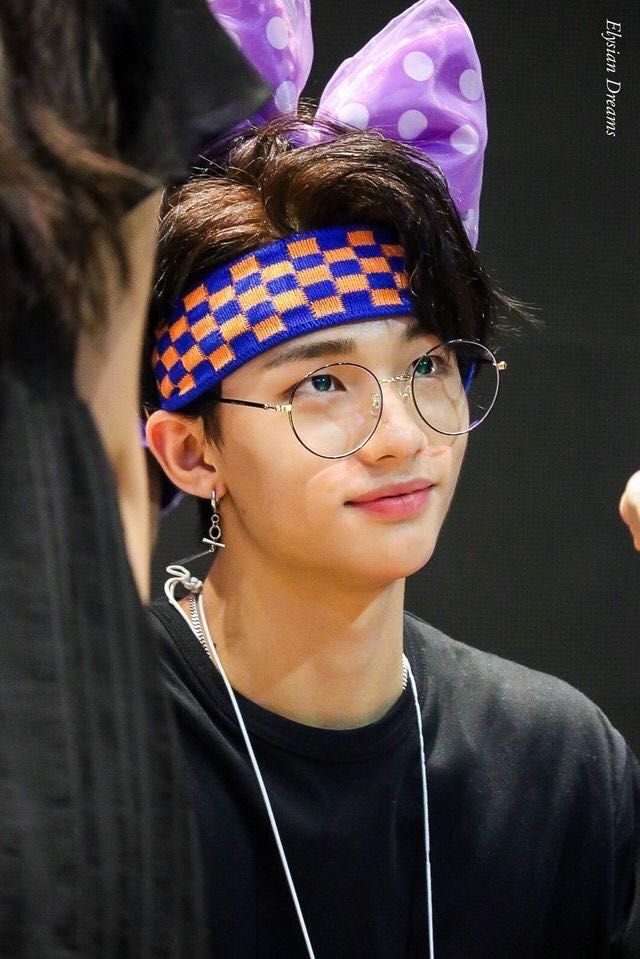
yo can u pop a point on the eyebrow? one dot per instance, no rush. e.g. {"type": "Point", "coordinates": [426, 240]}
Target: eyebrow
{"type": "Point", "coordinates": [311, 351]}
{"type": "Point", "coordinates": [323, 348]}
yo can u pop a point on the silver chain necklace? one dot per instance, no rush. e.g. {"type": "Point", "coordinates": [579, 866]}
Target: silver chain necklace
{"type": "Point", "coordinates": [198, 623]}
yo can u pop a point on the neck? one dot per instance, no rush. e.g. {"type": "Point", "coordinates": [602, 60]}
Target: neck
{"type": "Point", "coordinates": [107, 374]}
{"type": "Point", "coordinates": [301, 647]}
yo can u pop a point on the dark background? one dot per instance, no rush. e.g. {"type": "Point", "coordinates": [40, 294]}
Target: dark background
{"type": "Point", "coordinates": [534, 562]}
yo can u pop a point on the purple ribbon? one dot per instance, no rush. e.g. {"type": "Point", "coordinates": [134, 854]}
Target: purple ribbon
{"type": "Point", "coordinates": [418, 81]}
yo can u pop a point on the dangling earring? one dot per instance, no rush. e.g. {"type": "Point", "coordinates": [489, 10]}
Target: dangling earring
{"type": "Point", "coordinates": [213, 540]}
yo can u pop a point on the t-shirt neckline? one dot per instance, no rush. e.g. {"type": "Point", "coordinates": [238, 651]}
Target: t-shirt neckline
{"type": "Point", "coordinates": [333, 745]}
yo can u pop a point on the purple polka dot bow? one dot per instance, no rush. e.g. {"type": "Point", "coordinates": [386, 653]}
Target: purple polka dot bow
{"type": "Point", "coordinates": [418, 80]}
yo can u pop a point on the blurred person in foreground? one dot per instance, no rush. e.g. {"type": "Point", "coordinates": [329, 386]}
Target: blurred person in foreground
{"type": "Point", "coordinates": [365, 786]}
{"type": "Point", "coordinates": [98, 110]}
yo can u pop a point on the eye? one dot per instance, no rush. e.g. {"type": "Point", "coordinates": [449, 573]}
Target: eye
{"type": "Point", "coordinates": [426, 366]}
{"type": "Point", "coordinates": [322, 383]}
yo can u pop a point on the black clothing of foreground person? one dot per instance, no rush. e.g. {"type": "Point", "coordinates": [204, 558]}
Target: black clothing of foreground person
{"type": "Point", "coordinates": [98, 857]}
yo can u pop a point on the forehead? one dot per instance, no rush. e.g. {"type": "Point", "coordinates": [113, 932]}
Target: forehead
{"type": "Point", "coordinates": [345, 339]}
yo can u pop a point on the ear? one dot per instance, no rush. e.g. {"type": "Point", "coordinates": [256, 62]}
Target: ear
{"type": "Point", "coordinates": [184, 453]}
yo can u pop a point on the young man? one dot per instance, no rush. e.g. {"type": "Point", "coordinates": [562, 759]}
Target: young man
{"type": "Point", "coordinates": [319, 363]}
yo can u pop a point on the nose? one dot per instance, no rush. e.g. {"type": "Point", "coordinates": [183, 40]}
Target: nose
{"type": "Point", "coordinates": [400, 433]}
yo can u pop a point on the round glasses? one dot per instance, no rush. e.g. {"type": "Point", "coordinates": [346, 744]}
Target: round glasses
{"type": "Point", "coordinates": [336, 409]}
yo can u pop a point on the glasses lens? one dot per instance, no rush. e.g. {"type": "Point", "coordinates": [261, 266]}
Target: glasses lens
{"type": "Point", "coordinates": [455, 385]}
{"type": "Point", "coordinates": [335, 409]}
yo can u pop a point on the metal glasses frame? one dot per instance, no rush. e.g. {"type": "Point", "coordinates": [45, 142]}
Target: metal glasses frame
{"type": "Point", "coordinates": [406, 377]}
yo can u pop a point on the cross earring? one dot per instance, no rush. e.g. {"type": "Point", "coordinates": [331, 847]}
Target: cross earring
{"type": "Point", "coordinates": [214, 539]}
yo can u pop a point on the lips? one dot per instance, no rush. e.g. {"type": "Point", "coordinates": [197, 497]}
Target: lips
{"type": "Point", "coordinates": [392, 491]}
{"type": "Point", "coordinates": [394, 502]}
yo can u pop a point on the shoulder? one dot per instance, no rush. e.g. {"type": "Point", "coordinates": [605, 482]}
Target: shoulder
{"type": "Point", "coordinates": [167, 627]}
{"type": "Point", "coordinates": [186, 668]}
{"type": "Point", "coordinates": [483, 696]}
{"type": "Point", "coordinates": [481, 677]}
{"type": "Point", "coordinates": [163, 618]}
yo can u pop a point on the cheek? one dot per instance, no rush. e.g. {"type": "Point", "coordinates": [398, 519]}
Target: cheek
{"type": "Point", "coordinates": [275, 484]}
{"type": "Point", "coordinates": [255, 474]}
{"type": "Point", "coordinates": [451, 473]}
{"type": "Point", "coordinates": [456, 457]}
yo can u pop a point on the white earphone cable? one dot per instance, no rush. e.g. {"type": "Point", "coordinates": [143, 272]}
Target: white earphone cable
{"type": "Point", "coordinates": [213, 652]}
{"type": "Point", "coordinates": [425, 808]}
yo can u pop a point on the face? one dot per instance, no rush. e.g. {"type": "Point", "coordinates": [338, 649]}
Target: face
{"type": "Point", "coordinates": [371, 517]}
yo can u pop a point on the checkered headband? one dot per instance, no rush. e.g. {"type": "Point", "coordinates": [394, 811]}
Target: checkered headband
{"type": "Point", "coordinates": [294, 286]}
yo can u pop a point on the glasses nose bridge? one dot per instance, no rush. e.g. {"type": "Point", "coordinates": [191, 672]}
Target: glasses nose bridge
{"type": "Point", "coordinates": [402, 382]}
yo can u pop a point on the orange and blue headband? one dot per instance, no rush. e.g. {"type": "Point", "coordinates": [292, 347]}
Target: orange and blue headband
{"type": "Point", "coordinates": [293, 286]}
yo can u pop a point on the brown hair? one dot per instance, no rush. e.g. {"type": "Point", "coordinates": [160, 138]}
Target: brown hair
{"type": "Point", "coordinates": [263, 187]}
{"type": "Point", "coordinates": [63, 188]}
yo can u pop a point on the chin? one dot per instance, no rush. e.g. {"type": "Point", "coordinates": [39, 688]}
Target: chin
{"type": "Point", "coordinates": [389, 564]}
{"type": "Point", "coordinates": [402, 570]}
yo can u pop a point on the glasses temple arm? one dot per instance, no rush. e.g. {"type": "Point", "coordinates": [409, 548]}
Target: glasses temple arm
{"type": "Point", "coordinates": [284, 408]}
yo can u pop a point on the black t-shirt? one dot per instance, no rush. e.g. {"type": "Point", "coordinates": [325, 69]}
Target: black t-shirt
{"type": "Point", "coordinates": [533, 805]}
